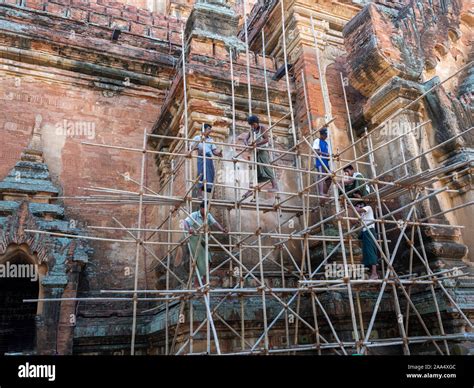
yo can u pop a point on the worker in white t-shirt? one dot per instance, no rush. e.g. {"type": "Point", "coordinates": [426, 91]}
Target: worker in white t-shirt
{"type": "Point", "coordinates": [206, 149]}
{"type": "Point", "coordinates": [197, 243]}
{"type": "Point", "coordinates": [368, 235]}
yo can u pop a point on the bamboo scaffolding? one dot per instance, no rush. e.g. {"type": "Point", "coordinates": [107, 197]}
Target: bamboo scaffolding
{"type": "Point", "coordinates": [335, 192]}
{"type": "Point", "coordinates": [258, 255]}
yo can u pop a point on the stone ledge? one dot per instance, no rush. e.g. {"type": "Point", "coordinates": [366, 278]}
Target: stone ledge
{"type": "Point", "coordinates": [133, 23]}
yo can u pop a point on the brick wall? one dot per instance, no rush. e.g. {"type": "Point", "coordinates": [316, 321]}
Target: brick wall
{"type": "Point", "coordinates": [111, 14]}
{"type": "Point", "coordinates": [71, 112]}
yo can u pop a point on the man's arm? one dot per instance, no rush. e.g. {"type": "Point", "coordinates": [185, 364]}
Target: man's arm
{"type": "Point", "coordinates": [213, 222]}
{"type": "Point", "coordinates": [246, 141]}
{"type": "Point", "coordinates": [348, 180]}
{"type": "Point", "coordinates": [357, 187]}
{"type": "Point", "coordinates": [323, 153]}
{"type": "Point", "coordinates": [317, 148]}
{"type": "Point", "coordinates": [263, 140]}
{"type": "Point", "coordinates": [221, 228]}
{"type": "Point", "coordinates": [217, 152]}
{"type": "Point", "coordinates": [188, 227]}
{"type": "Point", "coordinates": [194, 144]}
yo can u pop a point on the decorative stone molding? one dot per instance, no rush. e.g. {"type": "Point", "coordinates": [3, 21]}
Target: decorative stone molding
{"type": "Point", "coordinates": [26, 203]}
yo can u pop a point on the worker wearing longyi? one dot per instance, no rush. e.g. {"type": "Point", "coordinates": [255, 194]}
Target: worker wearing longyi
{"type": "Point", "coordinates": [261, 139]}
{"type": "Point", "coordinates": [197, 243]}
{"type": "Point", "coordinates": [203, 143]}
{"type": "Point", "coordinates": [368, 237]}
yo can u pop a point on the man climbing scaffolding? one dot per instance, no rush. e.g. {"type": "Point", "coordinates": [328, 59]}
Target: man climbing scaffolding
{"type": "Point", "coordinates": [206, 149]}
{"type": "Point", "coordinates": [354, 183]}
{"type": "Point", "coordinates": [368, 235]}
{"type": "Point", "coordinates": [321, 147]}
{"type": "Point", "coordinates": [260, 140]}
{"type": "Point", "coordinates": [197, 242]}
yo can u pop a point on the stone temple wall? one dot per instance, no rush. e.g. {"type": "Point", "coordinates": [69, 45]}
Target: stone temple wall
{"type": "Point", "coordinates": [61, 74]}
{"type": "Point", "coordinates": [66, 75]}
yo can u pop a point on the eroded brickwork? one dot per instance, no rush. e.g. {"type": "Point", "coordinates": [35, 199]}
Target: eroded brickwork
{"type": "Point", "coordinates": [66, 73]}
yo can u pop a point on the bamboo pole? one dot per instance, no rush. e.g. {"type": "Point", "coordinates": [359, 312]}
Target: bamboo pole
{"type": "Point", "coordinates": [308, 285]}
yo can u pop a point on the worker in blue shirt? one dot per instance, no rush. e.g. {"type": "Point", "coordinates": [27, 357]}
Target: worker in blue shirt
{"type": "Point", "coordinates": [321, 147]}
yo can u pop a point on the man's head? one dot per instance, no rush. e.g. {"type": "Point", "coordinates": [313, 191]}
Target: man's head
{"type": "Point", "coordinates": [360, 204]}
{"type": "Point", "coordinates": [202, 207]}
{"type": "Point", "coordinates": [254, 121]}
{"type": "Point", "coordinates": [323, 133]}
{"type": "Point", "coordinates": [206, 129]}
{"type": "Point", "coordinates": [349, 170]}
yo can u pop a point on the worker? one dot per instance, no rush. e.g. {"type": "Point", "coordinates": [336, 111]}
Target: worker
{"type": "Point", "coordinates": [354, 183]}
{"type": "Point", "coordinates": [204, 142]}
{"type": "Point", "coordinates": [368, 237]}
{"type": "Point", "coordinates": [321, 147]}
{"type": "Point", "coordinates": [261, 139]}
{"type": "Point", "coordinates": [197, 242]}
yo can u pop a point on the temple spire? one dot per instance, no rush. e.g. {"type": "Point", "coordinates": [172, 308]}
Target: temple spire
{"type": "Point", "coordinates": [34, 151]}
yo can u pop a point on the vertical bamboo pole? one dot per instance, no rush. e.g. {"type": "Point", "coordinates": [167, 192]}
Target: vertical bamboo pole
{"type": "Point", "coordinates": [335, 190]}
{"type": "Point", "coordinates": [308, 182]}
{"type": "Point", "coordinates": [279, 213]}
{"type": "Point", "coordinates": [187, 175]}
{"type": "Point", "coordinates": [401, 326]}
{"type": "Point", "coordinates": [139, 244]}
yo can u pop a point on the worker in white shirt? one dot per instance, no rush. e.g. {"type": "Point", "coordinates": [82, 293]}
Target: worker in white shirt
{"type": "Point", "coordinates": [197, 243]}
{"type": "Point", "coordinates": [203, 143]}
{"type": "Point", "coordinates": [369, 248]}
{"type": "Point", "coordinates": [261, 139]}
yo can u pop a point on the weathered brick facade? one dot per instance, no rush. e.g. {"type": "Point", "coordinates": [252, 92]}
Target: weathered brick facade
{"type": "Point", "coordinates": [69, 77]}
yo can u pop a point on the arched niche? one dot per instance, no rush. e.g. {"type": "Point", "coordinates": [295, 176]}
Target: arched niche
{"type": "Point", "coordinates": [20, 279]}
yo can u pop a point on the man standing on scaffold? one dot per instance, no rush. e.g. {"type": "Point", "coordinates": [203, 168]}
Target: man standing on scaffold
{"type": "Point", "coordinates": [206, 149]}
{"type": "Point", "coordinates": [264, 171]}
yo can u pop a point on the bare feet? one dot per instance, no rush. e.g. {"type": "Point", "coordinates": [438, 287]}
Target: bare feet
{"type": "Point", "coordinates": [274, 187]}
{"type": "Point", "coordinates": [374, 276]}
